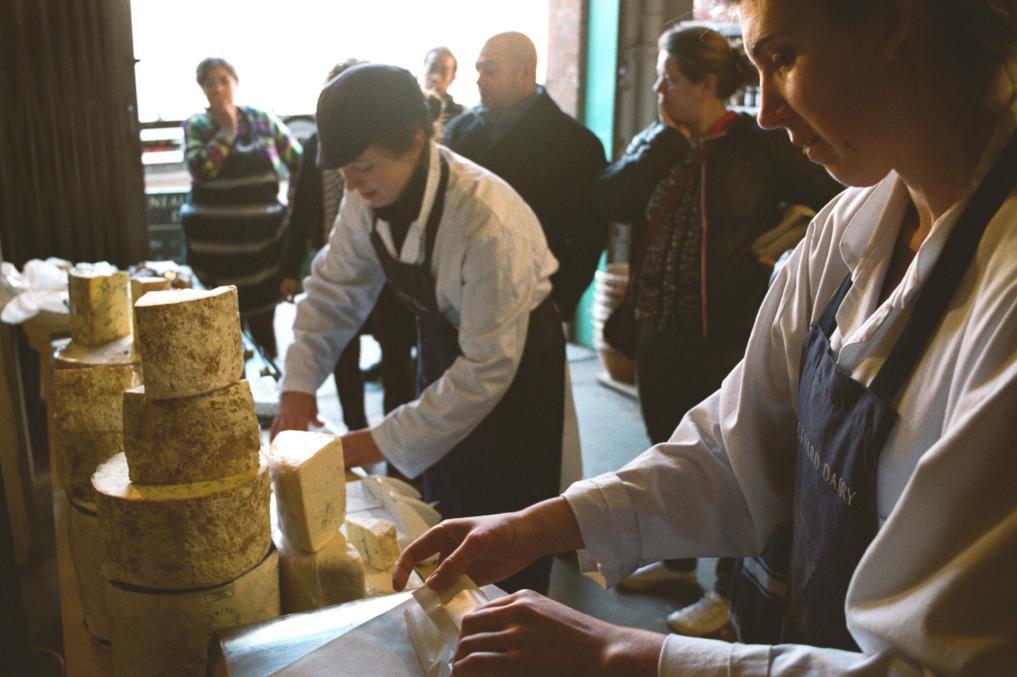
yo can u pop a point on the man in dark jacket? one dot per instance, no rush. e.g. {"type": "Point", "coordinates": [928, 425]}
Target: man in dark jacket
{"type": "Point", "coordinates": [520, 134]}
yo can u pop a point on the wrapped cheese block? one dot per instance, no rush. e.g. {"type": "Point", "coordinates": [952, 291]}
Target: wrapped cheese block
{"type": "Point", "coordinates": [311, 580]}
{"type": "Point", "coordinates": [177, 536]}
{"type": "Point", "coordinates": [78, 453]}
{"type": "Point", "coordinates": [189, 340]}
{"type": "Point", "coordinates": [167, 633]}
{"type": "Point", "coordinates": [91, 398]}
{"type": "Point", "coordinates": [100, 306]}
{"type": "Point", "coordinates": [375, 539]}
{"type": "Point", "coordinates": [190, 439]}
{"type": "Point", "coordinates": [86, 557]}
{"type": "Point", "coordinates": [71, 354]}
{"type": "Point", "coordinates": [310, 487]}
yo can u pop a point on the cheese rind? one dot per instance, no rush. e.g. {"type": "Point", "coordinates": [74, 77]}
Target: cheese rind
{"type": "Point", "coordinates": [100, 306]}
{"type": "Point", "coordinates": [86, 556]}
{"type": "Point", "coordinates": [71, 354]}
{"type": "Point", "coordinates": [90, 398]}
{"type": "Point", "coordinates": [375, 539]}
{"type": "Point", "coordinates": [167, 634]}
{"type": "Point", "coordinates": [180, 536]}
{"type": "Point", "coordinates": [78, 453]}
{"type": "Point", "coordinates": [308, 476]}
{"type": "Point", "coordinates": [190, 341]}
{"type": "Point", "coordinates": [311, 580]}
{"type": "Point", "coordinates": [190, 439]}
{"type": "Point", "coordinates": [142, 285]}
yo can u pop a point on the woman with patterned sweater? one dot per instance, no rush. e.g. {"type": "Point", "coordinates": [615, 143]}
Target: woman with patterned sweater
{"type": "Point", "coordinates": [233, 220]}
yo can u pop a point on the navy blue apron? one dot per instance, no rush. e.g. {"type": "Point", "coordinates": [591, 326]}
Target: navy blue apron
{"type": "Point", "coordinates": [512, 459]}
{"type": "Point", "coordinates": [842, 426]}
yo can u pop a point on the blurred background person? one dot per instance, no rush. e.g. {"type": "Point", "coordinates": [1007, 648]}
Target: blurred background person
{"type": "Point", "coordinates": [233, 220]}
{"type": "Point", "coordinates": [439, 72]}
{"type": "Point", "coordinates": [699, 185]}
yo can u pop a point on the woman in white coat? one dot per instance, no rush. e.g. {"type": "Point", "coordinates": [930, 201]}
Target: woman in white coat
{"type": "Point", "coordinates": [862, 450]}
{"type": "Point", "coordinates": [465, 254]}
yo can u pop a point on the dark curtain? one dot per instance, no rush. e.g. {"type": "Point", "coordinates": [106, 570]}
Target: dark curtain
{"type": "Point", "coordinates": [70, 154]}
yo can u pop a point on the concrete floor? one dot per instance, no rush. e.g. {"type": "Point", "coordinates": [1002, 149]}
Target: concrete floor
{"type": "Point", "coordinates": [611, 433]}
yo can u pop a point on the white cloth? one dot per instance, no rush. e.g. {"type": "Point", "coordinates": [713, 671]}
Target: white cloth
{"type": "Point", "coordinates": [935, 590]}
{"type": "Point", "coordinates": [492, 268]}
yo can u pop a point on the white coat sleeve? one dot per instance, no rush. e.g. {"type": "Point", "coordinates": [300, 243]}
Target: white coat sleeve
{"type": "Point", "coordinates": [498, 293]}
{"type": "Point", "coordinates": [343, 285]}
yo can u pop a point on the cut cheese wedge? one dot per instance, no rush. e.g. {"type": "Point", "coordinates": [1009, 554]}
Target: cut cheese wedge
{"type": "Point", "coordinates": [310, 487]}
{"type": "Point", "coordinates": [190, 439]}
{"type": "Point", "coordinates": [100, 306]}
{"type": "Point", "coordinates": [311, 580]}
{"type": "Point", "coordinates": [375, 539]}
{"type": "Point", "coordinates": [189, 340]}
{"type": "Point", "coordinates": [178, 536]}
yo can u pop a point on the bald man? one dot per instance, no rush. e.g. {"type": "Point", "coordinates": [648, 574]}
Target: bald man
{"type": "Point", "coordinates": [520, 134]}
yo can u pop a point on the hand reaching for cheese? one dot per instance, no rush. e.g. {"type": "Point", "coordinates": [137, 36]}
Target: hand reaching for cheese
{"type": "Point", "coordinates": [493, 547]}
{"type": "Point", "coordinates": [297, 411]}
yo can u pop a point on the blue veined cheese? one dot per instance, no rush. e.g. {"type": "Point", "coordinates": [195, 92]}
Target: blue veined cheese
{"type": "Point", "coordinates": [309, 478]}
{"type": "Point", "coordinates": [86, 557]}
{"type": "Point", "coordinates": [78, 453]}
{"type": "Point", "coordinates": [190, 439]}
{"type": "Point", "coordinates": [190, 341]}
{"type": "Point", "coordinates": [179, 536]}
{"type": "Point", "coordinates": [70, 354]}
{"type": "Point", "coordinates": [156, 632]}
{"type": "Point", "coordinates": [100, 306]}
{"type": "Point", "coordinates": [311, 580]}
{"type": "Point", "coordinates": [375, 539]}
{"type": "Point", "coordinates": [91, 398]}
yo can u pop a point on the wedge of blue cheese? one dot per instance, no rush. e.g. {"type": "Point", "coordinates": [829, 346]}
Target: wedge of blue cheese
{"type": "Point", "coordinates": [375, 539]}
{"type": "Point", "coordinates": [100, 306]}
{"type": "Point", "coordinates": [309, 479]}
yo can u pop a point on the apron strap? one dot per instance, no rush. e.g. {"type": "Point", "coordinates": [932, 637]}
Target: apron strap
{"type": "Point", "coordinates": [946, 275]}
{"type": "Point", "coordinates": [828, 320]}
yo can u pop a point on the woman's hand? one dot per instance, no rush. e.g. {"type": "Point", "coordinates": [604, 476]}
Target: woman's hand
{"type": "Point", "coordinates": [296, 412]}
{"type": "Point", "coordinates": [359, 448]}
{"type": "Point", "coordinates": [288, 288]}
{"type": "Point", "coordinates": [529, 634]}
{"type": "Point", "coordinates": [225, 115]}
{"type": "Point", "coordinates": [492, 547]}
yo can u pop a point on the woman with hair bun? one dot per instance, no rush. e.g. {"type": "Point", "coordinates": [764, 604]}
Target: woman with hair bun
{"type": "Point", "coordinates": [862, 452]}
{"type": "Point", "coordinates": [698, 186]}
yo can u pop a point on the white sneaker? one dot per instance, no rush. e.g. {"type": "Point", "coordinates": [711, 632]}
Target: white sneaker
{"type": "Point", "coordinates": [706, 617]}
{"type": "Point", "coordinates": [656, 575]}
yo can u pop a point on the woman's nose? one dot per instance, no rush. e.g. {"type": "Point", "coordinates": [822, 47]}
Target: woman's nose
{"type": "Point", "coordinates": [659, 85]}
{"type": "Point", "coordinates": [774, 110]}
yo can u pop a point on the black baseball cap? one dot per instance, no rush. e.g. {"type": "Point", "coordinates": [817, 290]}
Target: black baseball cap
{"type": "Point", "coordinates": [363, 105]}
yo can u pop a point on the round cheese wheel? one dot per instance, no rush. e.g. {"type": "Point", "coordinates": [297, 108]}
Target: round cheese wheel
{"type": "Point", "coordinates": [177, 536]}
{"type": "Point", "coordinates": [190, 439]}
{"type": "Point", "coordinates": [86, 557]}
{"type": "Point", "coordinates": [78, 453]}
{"type": "Point", "coordinates": [71, 354]}
{"type": "Point", "coordinates": [190, 341]}
{"type": "Point", "coordinates": [91, 398]}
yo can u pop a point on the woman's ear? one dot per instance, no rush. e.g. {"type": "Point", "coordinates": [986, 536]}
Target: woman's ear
{"type": "Point", "coordinates": [898, 18]}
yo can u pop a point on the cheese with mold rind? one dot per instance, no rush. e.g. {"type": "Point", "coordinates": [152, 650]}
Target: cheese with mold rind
{"type": "Point", "coordinates": [100, 306]}
{"type": "Point", "coordinates": [311, 580]}
{"type": "Point", "coordinates": [91, 398]}
{"type": "Point", "coordinates": [309, 479]}
{"type": "Point", "coordinates": [375, 539]}
{"type": "Point", "coordinates": [167, 634]}
{"type": "Point", "coordinates": [190, 439]}
{"type": "Point", "coordinates": [178, 536]}
{"type": "Point", "coordinates": [78, 453]}
{"type": "Point", "coordinates": [142, 285]}
{"type": "Point", "coordinates": [190, 341]}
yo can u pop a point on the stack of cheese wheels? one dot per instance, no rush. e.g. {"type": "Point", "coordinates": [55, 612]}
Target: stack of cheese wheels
{"type": "Point", "coordinates": [183, 513]}
{"type": "Point", "coordinates": [141, 286]}
{"type": "Point", "coordinates": [318, 567]}
{"type": "Point", "coordinates": [91, 371]}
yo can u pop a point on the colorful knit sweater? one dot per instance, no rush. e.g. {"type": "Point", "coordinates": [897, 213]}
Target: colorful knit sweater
{"type": "Point", "coordinates": [208, 147]}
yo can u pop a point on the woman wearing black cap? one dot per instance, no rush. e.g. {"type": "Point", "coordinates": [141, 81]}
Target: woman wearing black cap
{"type": "Point", "coordinates": [467, 256]}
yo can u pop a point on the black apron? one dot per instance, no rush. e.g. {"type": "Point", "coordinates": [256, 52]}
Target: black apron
{"type": "Point", "coordinates": [512, 459]}
{"type": "Point", "coordinates": [842, 426]}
